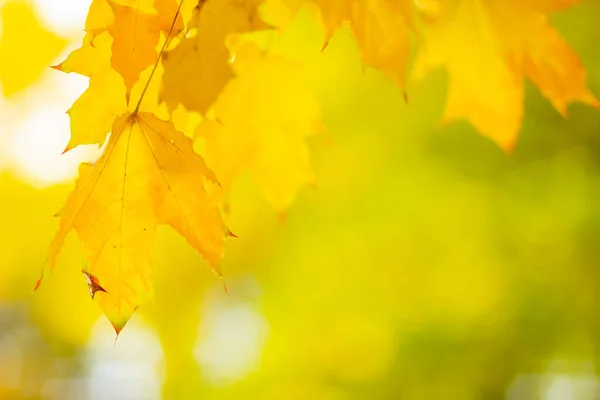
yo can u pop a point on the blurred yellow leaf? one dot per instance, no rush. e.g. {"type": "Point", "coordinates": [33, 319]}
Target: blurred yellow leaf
{"type": "Point", "coordinates": [26, 47]}
{"type": "Point", "coordinates": [381, 30]}
{"type": "Point", "coordinates": [488, 47]}
{"type": "Point", "coordinates": [198, 68]}
{"type": "Point", "coordinates": [262, 119]}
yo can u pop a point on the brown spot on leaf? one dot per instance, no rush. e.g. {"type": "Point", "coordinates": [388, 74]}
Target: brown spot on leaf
{"type": "Point", "coordinates": [93, 284]}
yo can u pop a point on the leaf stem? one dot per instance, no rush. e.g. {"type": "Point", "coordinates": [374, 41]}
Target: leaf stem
{"type": "Point", "coordinates": [162, 51]}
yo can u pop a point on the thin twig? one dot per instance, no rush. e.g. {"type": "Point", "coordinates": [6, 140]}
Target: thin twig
{"type": "Point", "coordinates": [162, 51]}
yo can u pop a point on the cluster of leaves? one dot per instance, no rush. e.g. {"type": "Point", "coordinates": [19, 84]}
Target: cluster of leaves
{"type": "Point", "coordinates": [173, 80]}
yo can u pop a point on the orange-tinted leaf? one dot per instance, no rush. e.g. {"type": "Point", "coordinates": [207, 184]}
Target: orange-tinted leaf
{"type": "Point", "coordinates": [555, 69]}
{"type": "Point", "coordinates": [144, 6]}
{"type": "Point", "coordinates": [120, 43]}
{"type": "Point", "coordinates": [136, 35]}
{"type": "Point", "coordinates": [381, 29]}
{"type": "Point", "coordinates": [198, 68]}
{"type": "Point", "coordinates": [135, 27]}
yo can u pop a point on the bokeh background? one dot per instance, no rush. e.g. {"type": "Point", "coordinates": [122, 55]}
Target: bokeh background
{"type": "Point", "coordinates": [426, 263]}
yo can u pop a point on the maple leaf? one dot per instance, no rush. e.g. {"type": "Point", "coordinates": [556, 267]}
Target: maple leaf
{"type": "Point", "coordinates": [261, 121]}
{"type": "Point", "coordinates": [197, 69]}
{"type": "Point", "coordinates": [500, 44]}
{"type": "Point", "coordinates": [149, 174]}
{"type": "Point", "coordinates": [135, 27]}
{"type": "Point", "coordinates": [22, 32]}
{"type": "Point", "coordinates": [94, 111]}
{"type": "Point", "coordinates": [381, 29]}
{"type": "Point", "coordinates": [133, 33]}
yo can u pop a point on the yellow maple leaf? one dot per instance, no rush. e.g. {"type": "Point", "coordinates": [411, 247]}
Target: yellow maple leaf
{"type": "Point", "coordinates": [22, 32]}
{"type": "Point", "coordinates": [94, 111]}
{"type": "Point", "coordinates": [381, 29]}
{"type": "Point", "coordinates": [148, 175]}
{"type": "Point", "coordinates": [133, 34]}
{"type": "Point", "coordinates": [262, 119]}
{"type": "Point", "coordinates": [135, 27]}
{"type": "Point", "coordinates": [500, 44]}
{"type": "Point", "coordinates": [136, 36]}
{"type": "Point", "coordinates": [197, 69]}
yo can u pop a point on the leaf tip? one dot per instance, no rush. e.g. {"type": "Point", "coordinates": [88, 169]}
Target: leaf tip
{"type": "Point", "coordinates": [593, 101]}
{"type": "Point", "coordinates": [37, 284]}
{"type": "Point", "coordinates": [223, 283]}
{"type": "Point", "coordinates": [67, 148]}
{"type": "Point", "coordinates": [43, 274]}
{"type": "Point", "coordinates": [117, 331]}
{"type": "Point", "coordinates": [508, 146]}
{"type": "Point", "coordinates": [118, 326]}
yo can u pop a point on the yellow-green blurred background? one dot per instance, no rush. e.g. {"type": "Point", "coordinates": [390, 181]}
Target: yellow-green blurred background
{"type": "Point", "coordinates": [425, 264]}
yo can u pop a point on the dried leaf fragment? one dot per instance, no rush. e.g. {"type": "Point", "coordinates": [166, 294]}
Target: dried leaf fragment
{"type": "Point", "coordinates": [93, 283]}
